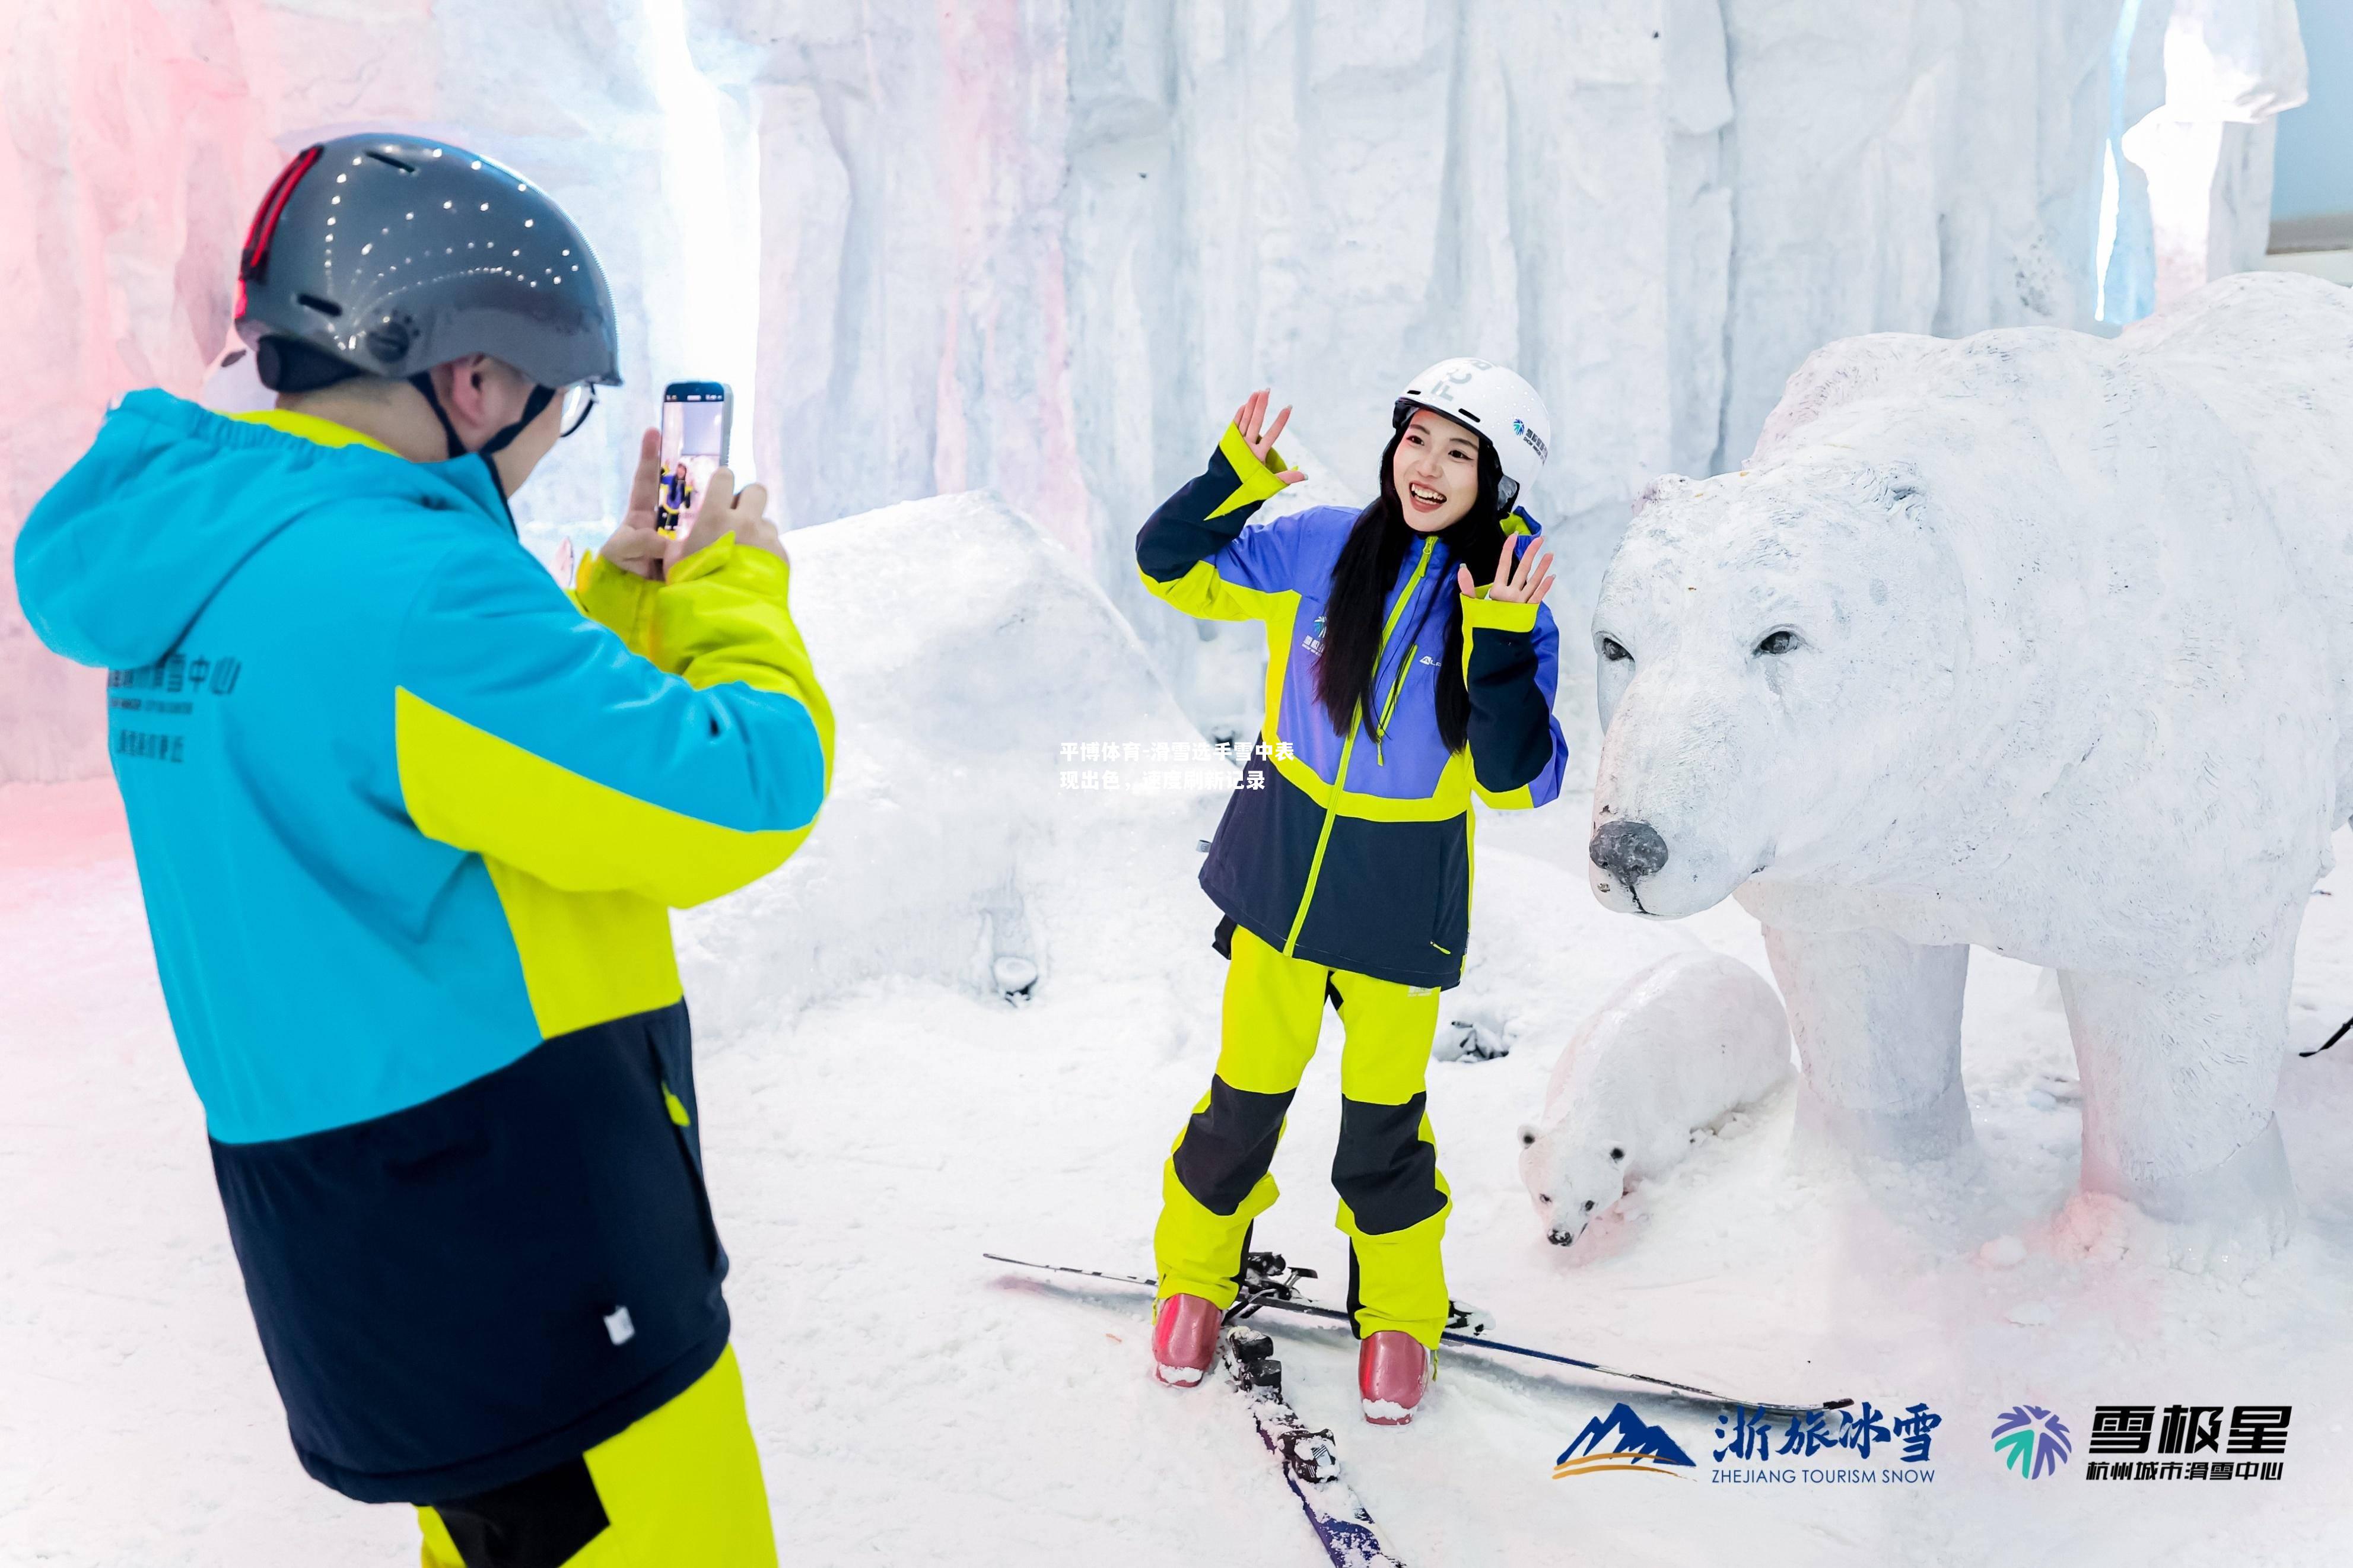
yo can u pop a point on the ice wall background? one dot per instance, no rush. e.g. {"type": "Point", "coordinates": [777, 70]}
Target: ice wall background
{"type": "Point", "coordinates": [1044, 247]}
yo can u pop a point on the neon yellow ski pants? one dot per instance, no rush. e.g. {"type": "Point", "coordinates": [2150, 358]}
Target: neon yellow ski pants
{"type": "Point", "coordinates": [1393, 1201]}
{"type": "Point", "coordinates": [680, 1485]}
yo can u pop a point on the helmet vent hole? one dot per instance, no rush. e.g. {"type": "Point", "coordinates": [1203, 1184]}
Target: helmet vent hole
{"type": "Point", "coordinates": [324, 306]}
{"type": "Point", "coordinates": [388, 158]}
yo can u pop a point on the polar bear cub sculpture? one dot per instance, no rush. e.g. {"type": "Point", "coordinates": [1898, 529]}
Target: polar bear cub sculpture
{"type": "Point", "coordinates": [2030, 641]}
{"type": "Point", "coordinates": [1679, 1047]}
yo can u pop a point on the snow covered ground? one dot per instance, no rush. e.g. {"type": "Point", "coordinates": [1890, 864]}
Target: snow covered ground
{"type": "Point", "coordinates": [875, 1116]}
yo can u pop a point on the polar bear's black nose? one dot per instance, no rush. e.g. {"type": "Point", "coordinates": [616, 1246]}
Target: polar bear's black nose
{"type": "Point", "coordinates": [1628, 851]}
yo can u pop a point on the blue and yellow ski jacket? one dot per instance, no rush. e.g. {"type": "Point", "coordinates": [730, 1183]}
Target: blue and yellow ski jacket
{"type": "Point", "coordinates": [408, 825]}
{"type": "Point", "coordinates": [1352, 852]}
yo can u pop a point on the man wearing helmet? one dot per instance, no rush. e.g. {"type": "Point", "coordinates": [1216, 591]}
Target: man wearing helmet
{"type": "Point", "coordinates": [1343, 865]}
{"type": "Point", "coordinates": [410, 820]}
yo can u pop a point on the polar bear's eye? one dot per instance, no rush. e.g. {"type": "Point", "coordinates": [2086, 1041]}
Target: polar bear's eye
{"type": "Point", "coordinates": [1589, 1205]}
{"type": "Point", "coordinates": [1781, 641]}
{"type": "Point", "coordinates": [1617, 1153]}
{"type": "Point", "coordinates": [1543, 1197]}
{"type": "Point", "coordinates": [1613, 651]}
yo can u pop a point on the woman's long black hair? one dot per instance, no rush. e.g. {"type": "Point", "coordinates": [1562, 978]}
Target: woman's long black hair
{"type": "Point", "coordinates": [1361, 580]}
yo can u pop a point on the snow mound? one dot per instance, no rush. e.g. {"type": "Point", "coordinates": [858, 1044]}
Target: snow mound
{"type": "Point", "coordinates": [964, 651]}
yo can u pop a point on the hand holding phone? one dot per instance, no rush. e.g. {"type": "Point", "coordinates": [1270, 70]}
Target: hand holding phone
{"type": "Point", "coordinates": [697, 417]}
{"type": "Point", "coordinates": [639, 546]}
{"type": "Point", "coordinates": [723, 512]}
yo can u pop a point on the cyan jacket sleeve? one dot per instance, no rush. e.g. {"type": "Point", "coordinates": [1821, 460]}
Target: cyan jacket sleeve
{"type": "Point", "coordinates": [1510, 668]}
{"type": "Point", "coordinates": [1199, 551]}
{"type": "Point", "coordinates": [535, 737]}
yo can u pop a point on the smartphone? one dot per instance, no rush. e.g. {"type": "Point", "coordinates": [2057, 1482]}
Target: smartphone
{"type": "Point", "coordinates": [696, 420]}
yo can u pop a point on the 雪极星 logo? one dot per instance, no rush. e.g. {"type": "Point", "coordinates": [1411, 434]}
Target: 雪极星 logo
{"type": "Point", "coordinates": [2032, 1440]}
{"type": "Point", "coordinates": [2187, 1431]}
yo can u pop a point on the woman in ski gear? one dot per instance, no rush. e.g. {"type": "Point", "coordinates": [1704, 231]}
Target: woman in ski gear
{"type": "Point", "coordinates": [1411, 667]}
{"type": "Point", "coordinates": [409, 820]}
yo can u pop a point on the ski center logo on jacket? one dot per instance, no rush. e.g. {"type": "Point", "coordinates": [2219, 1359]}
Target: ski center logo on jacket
{"type": "Point", "coordinates": [1357, 852]}
{"type": "Point", "coordinates": [408, 856]}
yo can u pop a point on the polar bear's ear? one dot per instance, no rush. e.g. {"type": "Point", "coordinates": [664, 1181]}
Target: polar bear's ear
{"type": "Point", "coordinates": [1666, 487]}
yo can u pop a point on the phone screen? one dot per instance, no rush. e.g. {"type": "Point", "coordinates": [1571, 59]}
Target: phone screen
{"type": "Point", "coordinates": [693, 444]}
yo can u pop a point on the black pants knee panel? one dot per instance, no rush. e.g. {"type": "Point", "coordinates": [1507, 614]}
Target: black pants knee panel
{"type": "Point", "coordinates": [1226, 1148]}
{"type": "Point", "coordinates": [1383, 1170]}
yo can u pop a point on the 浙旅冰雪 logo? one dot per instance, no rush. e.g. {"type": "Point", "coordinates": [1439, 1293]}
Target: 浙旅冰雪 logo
{"type": "Point", "coordinates": [1620, 1440]}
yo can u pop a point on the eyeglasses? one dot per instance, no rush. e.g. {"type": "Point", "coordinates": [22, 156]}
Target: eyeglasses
{"type": "Point", "coordinates": [579, 401]}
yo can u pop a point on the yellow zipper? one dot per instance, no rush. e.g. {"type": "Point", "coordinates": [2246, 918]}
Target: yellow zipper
{"type": "Point", "coordinates": [1340, 774]}
{"type": "Point", "coordinates": [1381, 739]}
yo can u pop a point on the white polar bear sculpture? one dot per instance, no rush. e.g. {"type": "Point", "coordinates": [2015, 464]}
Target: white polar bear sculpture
{"type": "Point", "coordinates": [1680, 1047]}
{"type": "Point", "coordinates": [2030, 641]}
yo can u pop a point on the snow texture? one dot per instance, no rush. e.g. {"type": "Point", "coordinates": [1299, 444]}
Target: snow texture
{"type": "Point", "coordinates": [2068, 674]}
{"type": "Point", "coordinates": [1045, 248]}
{"type": "Point", "coordinates": [1679, 1048]}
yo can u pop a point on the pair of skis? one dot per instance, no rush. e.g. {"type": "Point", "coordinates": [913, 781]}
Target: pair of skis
{"type": "Point", "coordinates": [1310, 1464]}
{"type": "Point", "coordinates": [1267, 1281]}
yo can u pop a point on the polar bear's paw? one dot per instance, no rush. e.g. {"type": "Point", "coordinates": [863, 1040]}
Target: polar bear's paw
{"type": "Point", "coordinates": [2227, 1221]}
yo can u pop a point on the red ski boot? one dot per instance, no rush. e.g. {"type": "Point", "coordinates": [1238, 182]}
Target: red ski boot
{"type": "Point", "coordinates": [1392, 1374]}
{"type": "Point", "coordinates": [1184, 1339]}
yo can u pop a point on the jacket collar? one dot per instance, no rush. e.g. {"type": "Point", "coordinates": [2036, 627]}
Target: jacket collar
{"type": "Point", "coordinates": [469, 475]}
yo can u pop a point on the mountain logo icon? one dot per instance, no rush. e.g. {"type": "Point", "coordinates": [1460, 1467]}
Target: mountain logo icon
{"type": "Point", "coordinates": [1620, 1440]}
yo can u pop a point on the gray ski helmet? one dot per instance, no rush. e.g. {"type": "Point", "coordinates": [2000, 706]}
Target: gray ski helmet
{"type": "Point", "coordinates": [388, 255]}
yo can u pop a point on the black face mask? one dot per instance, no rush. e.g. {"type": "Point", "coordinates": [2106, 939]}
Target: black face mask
{"type": "Point", "coordinates": [534, 406]}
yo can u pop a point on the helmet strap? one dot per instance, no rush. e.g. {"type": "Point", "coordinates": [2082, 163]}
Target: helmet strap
{"type": "Point", "coordinates": [534, 406]}
{"type": "Point", "coordinates": [423, 381]}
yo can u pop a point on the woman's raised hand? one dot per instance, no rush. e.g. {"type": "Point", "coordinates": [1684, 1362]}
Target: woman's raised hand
{"type": "Point", "coordinates": [1249, 416]}
{"type": "Point", "coordinates": [1524, 580]}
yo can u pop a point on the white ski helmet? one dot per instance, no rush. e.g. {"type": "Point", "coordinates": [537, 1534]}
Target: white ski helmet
{"type": "Point", "coordinates": [1496, 403]}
